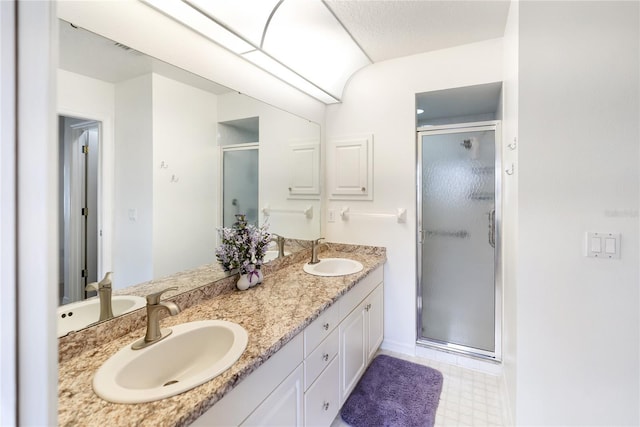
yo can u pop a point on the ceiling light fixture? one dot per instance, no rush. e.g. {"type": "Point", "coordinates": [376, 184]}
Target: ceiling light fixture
{"type": "Point", "coordinates": [300, 42]}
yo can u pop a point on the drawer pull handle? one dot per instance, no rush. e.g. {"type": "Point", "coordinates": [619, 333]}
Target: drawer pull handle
{"type": "Point", "coordinates": [325, 406]}
{"type": "Point", "coordinates": [325, 326]}
{"type": "Point", "coordinates": [367, 307]}
{"type": "Point", "coordinates": [325, 357]}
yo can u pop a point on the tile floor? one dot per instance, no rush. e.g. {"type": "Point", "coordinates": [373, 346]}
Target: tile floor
{"type": "Point", "coordinates": [469, 398]}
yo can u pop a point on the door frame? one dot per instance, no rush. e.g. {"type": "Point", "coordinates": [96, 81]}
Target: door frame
{"type": "Point", "coordinates": [492, 125]}
{"type": "Point", "coordinates": [75, 241]}
{"type": "Point", "coordinates": [106, 180]}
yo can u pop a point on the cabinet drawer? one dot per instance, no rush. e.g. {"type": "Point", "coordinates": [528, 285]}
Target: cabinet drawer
{"type": "Point", "coordinates": [320, 358]}
{"type": "Point", "coordinates": [322, 400]}
{"type": "Point", "coordinates": [320, 328]}
{"type": "Point", "coordinates": [360, 291]}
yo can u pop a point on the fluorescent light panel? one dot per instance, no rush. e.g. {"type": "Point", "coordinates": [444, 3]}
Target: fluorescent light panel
{"type": "Point", "coordinates": [200, 23]}
{"type": "Point", "coordinates": [272, 66]}
{"type": "Point", "coordinates": [305, 36]}
{"type": "Point", "coordinates": [246, 18]}
{"type": "Point", "coordinates": [303, 42]}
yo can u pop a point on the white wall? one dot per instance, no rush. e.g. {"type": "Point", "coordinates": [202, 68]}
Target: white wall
{"type": "Point", "coordinates": [510, 205]}
{"type": "Point", "coordinates": [380, 99]}
{"type": "Point", "coordinates": [185, 212]}
{"type": "Point", "coordinates": [8, 270]}
{"type": "Point", "coordinates": [133, 237]}
{"type": "Point", "coordinates": [578, 317]}
{"type": "Point", "coordinates": [37, 210]}
{"type": "Point", "coordinates": [83, 96]}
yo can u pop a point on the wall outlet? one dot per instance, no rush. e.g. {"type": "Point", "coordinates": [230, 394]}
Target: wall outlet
{"type": "Point", "coordinates": [332, 215]}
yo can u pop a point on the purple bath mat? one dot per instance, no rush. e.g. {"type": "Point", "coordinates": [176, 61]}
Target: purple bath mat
{"type": "Point", "coordinates": [394, 393]}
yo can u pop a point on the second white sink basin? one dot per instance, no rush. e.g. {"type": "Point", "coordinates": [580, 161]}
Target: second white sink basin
{"type": "Point", "coordinates": [193, 354]}
{"type": "Point", "coordinates": [329, 267]}
{"type": "Point", "coordinates": [78, 315]}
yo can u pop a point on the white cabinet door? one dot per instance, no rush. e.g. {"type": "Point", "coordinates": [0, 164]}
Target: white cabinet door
{"type": "Point", "coordinates": [283, 407]}
{"type": "Point", "coordinates": [350, 168]}
{"type": "Point", "coordinates": [353, 350]}
{"type": "Point", "coordinates": [322, 400]}
{"type": "Point", "coordinates": [361, 334]}
{"type": "Point", "coordinates": [304, 169]}
{"type": "Point", "coordinates": [375, 321]}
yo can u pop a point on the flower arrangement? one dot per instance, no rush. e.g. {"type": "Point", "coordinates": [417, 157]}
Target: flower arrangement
{"type": "Point", "coordinates": [243, 246]}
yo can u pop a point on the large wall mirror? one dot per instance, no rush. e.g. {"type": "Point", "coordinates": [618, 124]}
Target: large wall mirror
{"type": "Point", "coordinates": [155, 159]}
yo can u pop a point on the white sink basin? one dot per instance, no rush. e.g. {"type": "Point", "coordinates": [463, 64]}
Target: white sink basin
{"type": "Point", "coordinates": [333, 267]}
{"type": "Point", "coordinates": [271, 255]}
{"type": "Point", "coordinates": [78, 315]}
{"type": "Point", "coordinates": [193, 354]}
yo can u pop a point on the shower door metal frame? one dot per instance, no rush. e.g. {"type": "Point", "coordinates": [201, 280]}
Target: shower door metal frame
{"type": "Point", "coordinates": [494, 125]}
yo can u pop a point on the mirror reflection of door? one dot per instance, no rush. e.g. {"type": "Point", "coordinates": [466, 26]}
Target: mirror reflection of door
{"type": "Point", "coordinates": [240, 183]}
{"type": "Point", "coordinates": [79, 141]}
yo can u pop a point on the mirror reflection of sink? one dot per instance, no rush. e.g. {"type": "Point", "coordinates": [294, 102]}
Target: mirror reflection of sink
{"type": "Point", "coordinates": [193, 354]}
{"type": "Point", "coordinates": [78, 315]}
{"type": "Point", "coordinates": [271, 255]}
{"type": "Point", "coordinates": [333, 267]}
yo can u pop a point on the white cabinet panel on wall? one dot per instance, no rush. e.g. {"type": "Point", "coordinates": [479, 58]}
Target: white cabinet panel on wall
{"type": "Point", "coordinates": [350, 168]}
{"type": "Point", "coordinates": [304, 170]}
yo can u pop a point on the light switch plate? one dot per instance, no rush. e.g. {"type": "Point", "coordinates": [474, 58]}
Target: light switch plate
{"type": "Point", "coordinates": [603, 245]}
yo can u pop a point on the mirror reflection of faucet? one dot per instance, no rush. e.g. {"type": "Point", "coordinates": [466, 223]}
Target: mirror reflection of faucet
{"type": "Point", "coordinates": [154, 307]}
{"type": "Point", "coordinates": [279, 243]}
{"type": "Point", "coordinates": [103, 288]}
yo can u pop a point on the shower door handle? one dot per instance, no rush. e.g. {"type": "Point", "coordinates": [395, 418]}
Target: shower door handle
{"type": "Point", "coordinates": [492, 228]}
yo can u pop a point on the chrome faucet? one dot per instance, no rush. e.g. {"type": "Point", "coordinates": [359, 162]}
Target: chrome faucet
{"type": "Point", "coordinates": [154, 307]}
{"type": "Point", "coordinates": [314, 251]}
{"type": "Point", "coordinates": [103, 288]}
{"type": "Point", "coordinates": [279, 243]}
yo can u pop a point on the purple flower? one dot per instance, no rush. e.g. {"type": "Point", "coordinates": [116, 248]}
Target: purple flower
{"type": "Point", "coordinates": [243, 245]}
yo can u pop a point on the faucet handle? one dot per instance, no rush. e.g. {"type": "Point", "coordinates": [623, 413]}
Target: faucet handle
{"type": "Point", "coordinates": [315, 242]}
{"type": "Point", "coordinates": [106, 282]}
{"type": "Point", "coordinates": [153, 299]}
{"type": "Point", "coordinates": [92, 287]}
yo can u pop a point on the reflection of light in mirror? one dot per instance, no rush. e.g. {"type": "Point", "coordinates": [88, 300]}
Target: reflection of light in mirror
{"type": "Point", "coordinates": [190, 17]}
{"type": "Point", "coordinates": [233, 14]}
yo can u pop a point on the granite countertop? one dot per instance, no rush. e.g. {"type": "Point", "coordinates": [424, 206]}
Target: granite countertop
{"type": "Point", "coordinates": [272, 313]}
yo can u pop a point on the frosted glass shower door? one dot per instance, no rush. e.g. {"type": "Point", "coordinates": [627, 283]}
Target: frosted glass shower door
{"type": "Point", "coordinates": [457, 239]}
{"type": "Point", "coordinates": [240, 182]}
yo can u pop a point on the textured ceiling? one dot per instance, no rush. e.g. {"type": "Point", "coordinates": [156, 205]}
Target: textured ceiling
{"type": "Point", "coordinates": [387, 29]}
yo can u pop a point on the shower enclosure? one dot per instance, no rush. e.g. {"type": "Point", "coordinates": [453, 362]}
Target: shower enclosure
{"type": "Point", "coordinates": [240, 183]}
{"type": "Point", "coordinates": [459, 281]}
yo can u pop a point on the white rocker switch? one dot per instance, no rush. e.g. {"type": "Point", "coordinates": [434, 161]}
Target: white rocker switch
{"type": "Point", "coordinates": [603, 245]}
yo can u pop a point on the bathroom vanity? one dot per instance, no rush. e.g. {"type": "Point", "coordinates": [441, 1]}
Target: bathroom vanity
{"type": "Point", "coordinates": [310, 340]}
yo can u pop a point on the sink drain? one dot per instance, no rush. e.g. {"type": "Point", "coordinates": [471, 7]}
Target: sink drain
{"type": "Point", "coordinates": [169, 383]}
